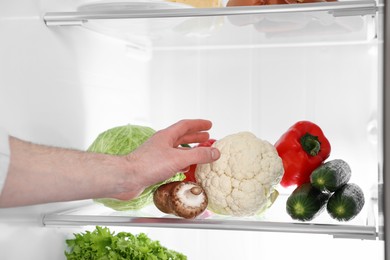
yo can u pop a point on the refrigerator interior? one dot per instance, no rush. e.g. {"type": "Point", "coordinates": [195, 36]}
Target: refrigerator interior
{"type": "Point", "coordinates": [63, 85]}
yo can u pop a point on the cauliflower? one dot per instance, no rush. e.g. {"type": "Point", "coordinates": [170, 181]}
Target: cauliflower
{"type": "Point", "coordinates": [241, 182]}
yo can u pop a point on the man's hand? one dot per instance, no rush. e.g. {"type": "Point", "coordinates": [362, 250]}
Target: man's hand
{"type": "Point", "coordinates": [161, 156]}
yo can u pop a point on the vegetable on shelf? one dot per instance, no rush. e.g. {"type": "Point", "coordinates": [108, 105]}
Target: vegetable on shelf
{"type": "Point", "coordinates": [190, 174]}
{"type": "Point", "coordinates": [331, 175]}
{"type": "Point", "coordinates": [122, 140]}
{"type": "Point", "coordinates": [346, 203]}
{"type": "Point", "coordinates": [302, 148]}
{"type": "Point", "coordinates": [272, 2]}
{"type": "Point", "coordinates": [329, 186]}
{"type": "Point", "coordinates": [242, 181]}
{"type": "Point", "coordinates": [183, 199]}
{"type": "Point", "coordinates": [200, 3]}
{"type": "Point", "coordinates": [306, 202]}
{"type": "Point", "coordinates": [101, 243]}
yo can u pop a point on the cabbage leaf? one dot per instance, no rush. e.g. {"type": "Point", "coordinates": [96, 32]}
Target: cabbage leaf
{"type": "Point", "coordinates": [122, 140]}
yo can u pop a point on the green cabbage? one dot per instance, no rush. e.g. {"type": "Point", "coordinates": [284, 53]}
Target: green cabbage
{"type": "Point", "coordinates": [123, 140]}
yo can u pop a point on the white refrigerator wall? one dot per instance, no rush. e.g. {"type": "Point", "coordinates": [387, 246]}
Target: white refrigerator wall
{"type": "Point", "coordinates": [62, 86]}
{"type": "Point", "coordinates": [265, 90]}
{"type": "Point", "coordinates": [47, 73]}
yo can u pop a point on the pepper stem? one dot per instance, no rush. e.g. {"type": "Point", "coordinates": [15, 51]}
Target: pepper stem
{"type": "Point", "coordinates": [310, 144]}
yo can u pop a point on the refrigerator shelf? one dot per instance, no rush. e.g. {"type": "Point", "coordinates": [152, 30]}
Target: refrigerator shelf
{"type": "Point", "coordinates": [340, 8]}
{"type": "Point", "coordinates": [338, 231]}
{"type": "Point", "coordinates": [274, 220]}
{"type": "Point", "coordinates": [160, 29]}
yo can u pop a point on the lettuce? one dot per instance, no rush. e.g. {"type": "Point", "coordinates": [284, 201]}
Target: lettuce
{"type": "Point", "coordinates": [123, 140]}
{"type": "Point", "coordinates": [104, 244]}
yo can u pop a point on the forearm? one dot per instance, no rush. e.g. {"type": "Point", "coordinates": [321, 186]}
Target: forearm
{"type": "Point", "coordinates": [41, 174]}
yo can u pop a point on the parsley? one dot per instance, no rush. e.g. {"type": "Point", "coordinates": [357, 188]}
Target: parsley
{"type": "Point", "coordinates": [101, 244]}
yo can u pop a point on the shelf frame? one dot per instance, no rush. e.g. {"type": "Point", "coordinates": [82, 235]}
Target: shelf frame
{"type": "Point", "coordinates": [337, 231]}
{"type": "Point", "coordinates": [343, 8]}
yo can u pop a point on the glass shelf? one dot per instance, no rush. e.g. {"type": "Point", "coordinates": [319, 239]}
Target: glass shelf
{"type": "Point", "coordinates": [339, 8]}
{"type": "Point", "coordinates": [275, 219]}
{"type": "Point", "coordinates": [163, 28]}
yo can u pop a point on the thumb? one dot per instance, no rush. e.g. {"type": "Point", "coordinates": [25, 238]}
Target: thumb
{"type": "Point", "coordinates": [203, 154]}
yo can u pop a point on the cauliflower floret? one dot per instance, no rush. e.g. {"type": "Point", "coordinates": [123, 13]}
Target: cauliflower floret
{"type": "Point", "coordinates": [241, 182]}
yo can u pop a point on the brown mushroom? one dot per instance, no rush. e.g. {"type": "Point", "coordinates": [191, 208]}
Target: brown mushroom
{"type": "Point", "coordinates": [184, 199]}
{"type": "Point", "coordinates": [161, 197]}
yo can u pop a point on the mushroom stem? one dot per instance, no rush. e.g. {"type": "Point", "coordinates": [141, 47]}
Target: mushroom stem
{"type": "Point", "coordinates": [196, 190]}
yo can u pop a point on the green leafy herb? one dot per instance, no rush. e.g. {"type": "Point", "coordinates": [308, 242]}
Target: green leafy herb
{"type": "Point", "coordinates": [102, 244]}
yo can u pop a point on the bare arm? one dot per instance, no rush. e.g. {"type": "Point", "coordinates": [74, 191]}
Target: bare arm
{"type": "Point", "coordinates": [42, 174]}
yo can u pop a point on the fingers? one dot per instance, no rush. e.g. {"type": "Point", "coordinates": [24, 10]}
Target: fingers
{"type": "Point", "coordinates": [187, 131]}
{"type": "Point", "coordinates": [199, 137]}
{"type": "Point", "coordinates": [186, 169]}
{"type": "Point", "coordinates": [202, 155]}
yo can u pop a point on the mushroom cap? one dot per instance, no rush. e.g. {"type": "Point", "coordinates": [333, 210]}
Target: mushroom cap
{"type": "Point", "coordinates": [161, 197]}
{"type": "Point", "coordinates": [188, 200]}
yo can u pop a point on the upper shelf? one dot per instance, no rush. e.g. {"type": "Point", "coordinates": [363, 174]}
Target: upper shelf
{"type": "Point", "coordinates": [162, 25]}
{"type": "Point", "coordinates": [340, 8]}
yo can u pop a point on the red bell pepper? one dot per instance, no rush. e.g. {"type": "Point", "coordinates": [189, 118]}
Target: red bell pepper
{"type": "Point", "coordinates": [190, 174]}
{"type": "Point", "coordinates": [302, 148]}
